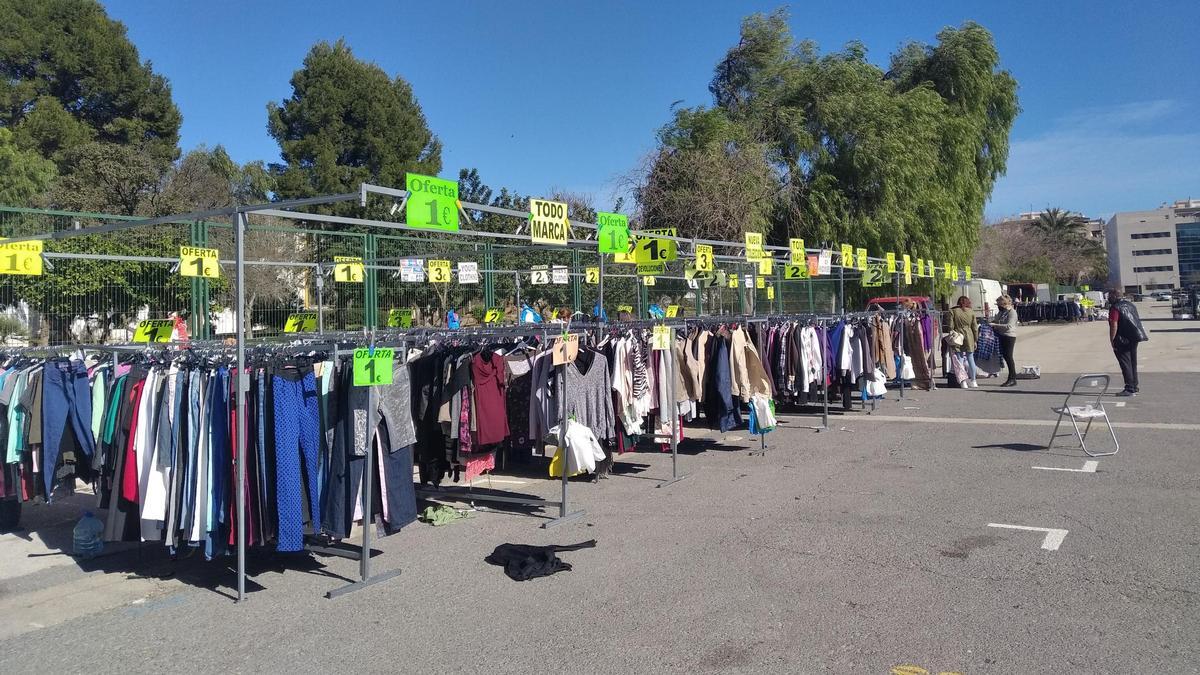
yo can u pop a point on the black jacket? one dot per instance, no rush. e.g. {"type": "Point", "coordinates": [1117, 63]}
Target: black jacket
{"type": "Point", "coordinates": [1130, 324]}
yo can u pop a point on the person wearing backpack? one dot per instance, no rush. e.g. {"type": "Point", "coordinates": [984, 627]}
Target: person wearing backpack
{"type": "Point", "coordinates": [1125, 331]}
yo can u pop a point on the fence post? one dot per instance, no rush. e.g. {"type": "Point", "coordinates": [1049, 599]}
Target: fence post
{"type": "Point", "coordinates": [198, 308]}
{"type": "Point", "coordinates": [489, 278]}
{"type": "Point", "coordinates": [370, 282]}
{"type": "Point", "coordinates": [576, 279]}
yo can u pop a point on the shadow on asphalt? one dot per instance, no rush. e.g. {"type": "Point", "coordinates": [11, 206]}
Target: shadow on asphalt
{"type": "Point", "coordinates": [1020, 447]}
{"type": "Point", "coordinates": [1175, 330]}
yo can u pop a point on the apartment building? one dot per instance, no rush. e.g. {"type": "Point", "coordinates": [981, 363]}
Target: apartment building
{"type": "Point", "coordinates": [1155, 250]}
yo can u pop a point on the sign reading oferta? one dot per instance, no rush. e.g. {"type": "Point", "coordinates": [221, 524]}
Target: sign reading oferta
{"type": "Point", "coordinates": [432, 203]}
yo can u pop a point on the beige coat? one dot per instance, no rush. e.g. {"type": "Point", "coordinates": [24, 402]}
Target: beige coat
{"type": "Point", "coordinates": [746, 368]}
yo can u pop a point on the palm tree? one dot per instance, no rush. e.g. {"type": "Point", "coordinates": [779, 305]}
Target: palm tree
{"type": "Point", "coordinates": [1058, 224]}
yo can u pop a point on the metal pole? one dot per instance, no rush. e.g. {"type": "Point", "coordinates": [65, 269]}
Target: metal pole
{"type": "Point", "coordinates": [320, 299]}
{"type": "Point", "coordinates": [842, 287]}
{"type": "Point", "coordinates": [364, 564]}
{"type": "Point", "coordinates": [562, 436]}
{"type": "Point", "coordinates": [517, 281]}
{"type": "Point", "coordinates": [239, 227]}
{"type": "Point", "coordinates": [600, 297]}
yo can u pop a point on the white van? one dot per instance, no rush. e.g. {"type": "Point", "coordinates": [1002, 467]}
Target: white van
{"type": "Point", "coordinates": [983, 294]}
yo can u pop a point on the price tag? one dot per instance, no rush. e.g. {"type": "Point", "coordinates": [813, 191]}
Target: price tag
{"type": "Point", "coordinates": [651, 249]}
{"type": "Point", "coordinates": [814, 266]}
{"type": "Point", "coordinates": [967, 272]}
{"type": "Point", "coordinates": [796, 271]}
{"type": "Point", "coordinates": [468, 272]}
{"type": "Point", "coordinates": [920, 267]}
{"type": "Point", "coordinates": [493, 315]}
{"type": "Point", "coordinates": [661, 338]}
{"type": "Point", "coordinates": [931, 267]}
{"type": "Point", "coordinates": [652, 268]}
{"type": "Point", "coordinates": [873, 276]}
{"type": "Point", "coordinates": [765, 265]}
{"type": "Point", "coordinates": [23, 257]}
{"type": "Point", "coordinates": [907, 269]}
{"type": "Point", "coordinates": [400, 318]}
{"type": "Point", "coordinates": [891, 262]}
{"type": "Point", "coordinates": [760, 282]}
{"type": "Point", "coordinates": [733, 281]}
{"type": "Point", "coordinates": [591, 275]}
{"type": "Point", "coordinates": [754, 246]}
{"type": "Point", "coordinates": [412, 269]}
{"type": "Point", "coordinates": [154, 330]}
{"type": "Point", "coordinates": [539, 275]}
{"type": "Point", "coordinates": [799, 255]}
{"type": "Point", "coordinates": [954, 272]}
{"type": "Point", "coordinates": [612, 232]}
{"type": "Point", "coordinates": [439, 271]}
{"type": "Point", "coordinates": [648, 281]}
{"type": "Point", "coordinates": [946, 270]}
{"type": "Point", "coordinates": [770, 292]}
{"type": "Point", "coordinates": [847, 256]}
{"type": "Point", "coordinates": [373, 368]}
{"type": "Point", "coordinates": [559, 274]}
{"type": "Point", "coordinates": [566, 349]}
{"type": "Point", "coordinates": [824, 263]}
{"type": "Point", "coordinates": [432, 203]}
{"type": "Point", "coordinates": [199, 262]}
{"type": "Point", "coordinates": [862, 258]}
{"type": "Point", "coordinates": [301, 322]}
{"type": "Point", "coordinates": [699, 279]}
{"type": "Point", "coordinates": [347, 269]}
{"type": "Point", "coordinates": [625, 308]}
{"type": "Point", "coordinates": [704, 258]}
{"type": "Point", "coordinates": [548, 222]}
{"type": "Point", "coordinates": [672, 311]}
{"type": "Point", "coordinates": [626, 258]}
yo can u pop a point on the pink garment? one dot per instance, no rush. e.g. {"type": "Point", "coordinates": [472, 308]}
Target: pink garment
{"type": "Point", "coordinates": [478, 463]}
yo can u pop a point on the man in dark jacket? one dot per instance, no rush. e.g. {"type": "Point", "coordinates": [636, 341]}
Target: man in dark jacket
{"type": "Point", "coordinates": [1125, 331]}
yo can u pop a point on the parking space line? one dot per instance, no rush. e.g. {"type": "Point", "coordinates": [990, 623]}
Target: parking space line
{"type": "Point", "coordinates": [1054, 536]}
{"type": "Point", "coordinates": [1088, 467]}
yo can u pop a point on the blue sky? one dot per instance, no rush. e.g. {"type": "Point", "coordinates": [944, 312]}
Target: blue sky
{"type": "Point", "coordinates": [568, 94]}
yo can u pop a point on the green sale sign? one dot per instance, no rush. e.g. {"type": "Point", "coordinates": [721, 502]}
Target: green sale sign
{"type": "Point", "coordinates": [373, 366]}
{"type": "Point", "coordinates": [613, 232]}
{"type": "Point", "coordinates": [432, 203]}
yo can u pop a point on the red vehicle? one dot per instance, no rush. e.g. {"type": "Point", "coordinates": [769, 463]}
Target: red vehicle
{"type": "Point", "coordinates": [893, 302]}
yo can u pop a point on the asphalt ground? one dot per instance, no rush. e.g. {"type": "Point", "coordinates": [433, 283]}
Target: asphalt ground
{"type": "Point", "coordinates": [856, 549]}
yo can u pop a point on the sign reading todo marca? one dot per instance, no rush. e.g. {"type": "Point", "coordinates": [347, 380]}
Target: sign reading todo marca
{"type": "Point", "coordinates": [432, 202]}
{"type": "Point", "coordinates": [547, 222]}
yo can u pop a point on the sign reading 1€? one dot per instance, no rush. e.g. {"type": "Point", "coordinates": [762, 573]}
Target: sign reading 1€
{"type": "Point", "coordinates": [548, 222]}
{"type": "Point", "coordinates": [432, 203]}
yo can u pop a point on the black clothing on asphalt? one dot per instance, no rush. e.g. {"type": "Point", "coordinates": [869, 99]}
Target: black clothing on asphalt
{"type": "Point", "coordinates": [523, 561]}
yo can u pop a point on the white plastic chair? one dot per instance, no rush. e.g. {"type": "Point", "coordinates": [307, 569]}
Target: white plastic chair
{"type": "Point", "coordinates": [1091, 410]}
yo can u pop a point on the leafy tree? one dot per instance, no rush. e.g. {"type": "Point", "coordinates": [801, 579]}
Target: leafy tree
{"type": "Point", "coordinates": [348, 122]}
{"type": "Point", "coordinates": [69, 74]}
{"type": "Point", "coordinates": [126, 180]}
{"type": "Point", "coordinates": [832, 148]}
{"type": "Point", "coordinates": [24, 175]}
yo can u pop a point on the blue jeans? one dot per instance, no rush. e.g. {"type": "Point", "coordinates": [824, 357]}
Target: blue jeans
{"type": "Point", "coordinates": [66, 400]}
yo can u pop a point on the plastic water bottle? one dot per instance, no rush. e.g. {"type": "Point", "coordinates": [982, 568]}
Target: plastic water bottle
{"type": "Point", "coordinates": [89, 537]}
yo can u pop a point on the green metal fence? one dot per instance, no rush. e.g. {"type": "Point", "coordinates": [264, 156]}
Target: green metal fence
{"type": "Point", "coordinates": [99, 286]}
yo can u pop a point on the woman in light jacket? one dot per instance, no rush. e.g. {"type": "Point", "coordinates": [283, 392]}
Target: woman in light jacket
{"type": "Point", "coordinates": [1005, 326]}
{"type": "Point", "coordinates": [962, 319]}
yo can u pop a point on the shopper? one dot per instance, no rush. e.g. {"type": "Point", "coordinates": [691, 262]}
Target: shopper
{"type": "Point", "coordinates": [1005, 326]}
{"type": "Point", "coordinates": [1125, 331]}
{"type": "Point", "coordinates": [962, 321]}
